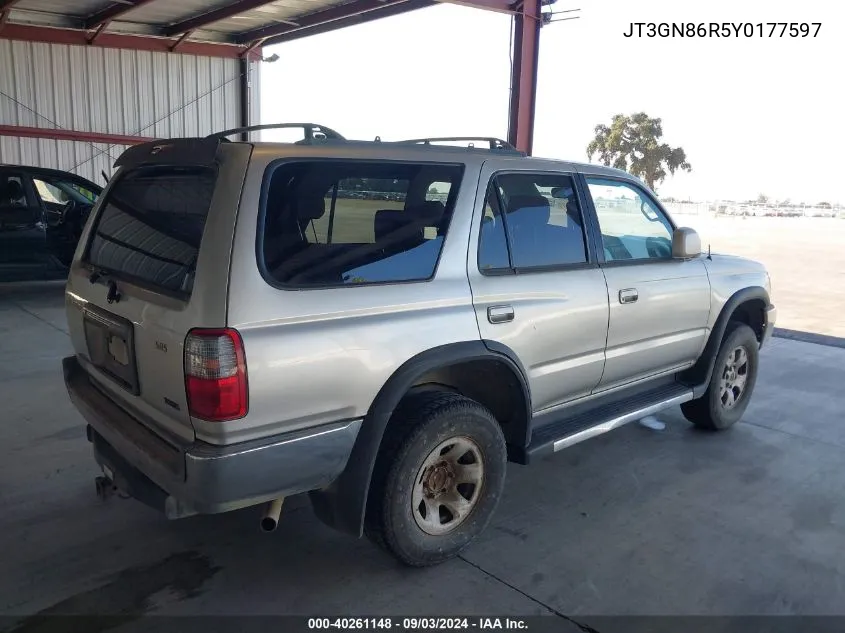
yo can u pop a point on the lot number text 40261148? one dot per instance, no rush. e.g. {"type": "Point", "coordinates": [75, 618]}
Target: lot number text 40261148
{"type": "Point", "coordinates": [722, 29]}
{"type": "Point", "coordinates": [417, 624]}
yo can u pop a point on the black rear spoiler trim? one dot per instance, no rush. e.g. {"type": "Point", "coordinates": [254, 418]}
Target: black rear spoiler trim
{"type": "Point", "coordinates": [176, 151]}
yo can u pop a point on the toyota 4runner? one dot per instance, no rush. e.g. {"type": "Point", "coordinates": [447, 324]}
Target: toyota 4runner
{"type": "Point", "coordinates": [384, 325]}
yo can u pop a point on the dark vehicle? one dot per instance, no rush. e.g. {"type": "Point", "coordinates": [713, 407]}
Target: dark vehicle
{"type": "Point", "coordinates": [42, 212]}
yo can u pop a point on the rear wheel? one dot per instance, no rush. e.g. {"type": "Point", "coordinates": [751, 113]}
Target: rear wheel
{"type": "Point", "coordinates": [438, 478]}
{"type": "Point", "coordinates": [732, 382]}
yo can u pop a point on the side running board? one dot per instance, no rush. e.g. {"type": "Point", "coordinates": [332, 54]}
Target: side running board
{"type": "Point", "coordinates": [575, 426]}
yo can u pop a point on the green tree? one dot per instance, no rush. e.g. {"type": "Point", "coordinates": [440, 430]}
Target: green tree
{"type": "Point", "coordinates": [633, 143]}
{"type": "Point", "coordinates": [763, 199]}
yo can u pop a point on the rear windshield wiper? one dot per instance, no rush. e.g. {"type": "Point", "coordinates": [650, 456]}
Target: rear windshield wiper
{"type": "Point", "coordinates": [98, 273]}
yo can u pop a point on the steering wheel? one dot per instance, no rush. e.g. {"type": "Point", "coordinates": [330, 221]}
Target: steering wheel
{"type": "Point", "coordinates": [658, 248]}
{"type": "Point", "coordinates": [70, 205]}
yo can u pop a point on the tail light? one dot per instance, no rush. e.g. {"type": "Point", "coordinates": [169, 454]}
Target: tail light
{"type": "Point", "coordinates": [215, 374]}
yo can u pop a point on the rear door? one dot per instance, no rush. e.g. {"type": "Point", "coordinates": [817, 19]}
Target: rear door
{"type": "Point", "coordinates": [152, 264]}
{"type": "Point", "coordinates": [536, 285]}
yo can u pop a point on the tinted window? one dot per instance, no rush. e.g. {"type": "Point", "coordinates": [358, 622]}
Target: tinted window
{"type": "Point", "coordinates": [492, 242]}
{"type": "Point", "coordinates": [151, 225]}
{"type": "Point", "coordinates": [351, 222]}
{"type": "Point", "coordinates": [542, 221]}
{"type": "Point", "coordinates": [50, 193]}
{"type": "Point", "coordinates": [632, 226]}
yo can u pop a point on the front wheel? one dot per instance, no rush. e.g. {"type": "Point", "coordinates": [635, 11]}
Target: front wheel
{"type": "Point", "coordinates": [732, 382]}
{"type": "Point", "coordinates": [438, 479]}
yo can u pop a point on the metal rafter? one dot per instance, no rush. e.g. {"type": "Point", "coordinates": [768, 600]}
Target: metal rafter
{"type": "Point", "coordinates": [107, 39]}
{"type": "Point", "coordinates": [209, 17]}
{"type": "Point", "coordinates": [108, 14]}
{"type": "Point", "coordinates": [333, 14]}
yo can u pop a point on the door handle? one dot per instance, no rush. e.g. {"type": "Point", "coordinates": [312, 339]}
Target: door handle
{"type": "Point", "coordinates": [628, 295]}
{"type": "Point", "coordinates": [500, 314]}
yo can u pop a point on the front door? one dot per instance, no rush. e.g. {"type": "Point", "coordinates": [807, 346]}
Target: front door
{"type": "Point", "coordinates": [22, 229]}
{"type": "Point", "coordinates": [536, 286]}
{"type": "Point", "coordinates": [659, 306]}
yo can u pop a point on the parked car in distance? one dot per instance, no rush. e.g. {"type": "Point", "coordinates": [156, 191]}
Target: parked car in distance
{"type": "Point", "coordinates": [42, 212]}
{"type": "Point", "coordinates": [243, 332]}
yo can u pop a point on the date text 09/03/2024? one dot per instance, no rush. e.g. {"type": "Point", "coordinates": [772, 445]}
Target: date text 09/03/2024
{"type": "Point", "coordinates": [723, 29]}
{"type": "Point", "coordinates": [417, 624]}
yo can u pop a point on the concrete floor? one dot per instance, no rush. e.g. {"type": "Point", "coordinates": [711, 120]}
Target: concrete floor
{"type": "Point", "coordinates": [636, 522]}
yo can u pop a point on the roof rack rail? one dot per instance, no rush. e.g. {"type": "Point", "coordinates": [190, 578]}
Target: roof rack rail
{"type": "Point", "coordinates": [313, 131]}
{"type": "Point", "coordinates": [492, 142]}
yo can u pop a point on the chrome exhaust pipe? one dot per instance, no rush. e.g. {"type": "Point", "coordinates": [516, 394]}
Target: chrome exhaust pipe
{"type": "Point", "coordinates": [271, 515]}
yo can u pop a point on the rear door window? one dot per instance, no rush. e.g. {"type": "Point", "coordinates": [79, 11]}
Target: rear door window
{"type": "Point", "coordinates": [535, 220]}
{"type": "Point", "coordinates": [335, 223]}
{"type": "Point", "coordinates": [151, 226]}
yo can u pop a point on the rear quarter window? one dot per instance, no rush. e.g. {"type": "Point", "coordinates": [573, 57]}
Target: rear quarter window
{"type": "Point", "coordinates": [339, 223]}
{"type": "Point", "coordinates": [151, 225]}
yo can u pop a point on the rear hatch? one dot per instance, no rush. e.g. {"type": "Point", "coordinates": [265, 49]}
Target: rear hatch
{"type": "Point", "coordinates": [152, 264]}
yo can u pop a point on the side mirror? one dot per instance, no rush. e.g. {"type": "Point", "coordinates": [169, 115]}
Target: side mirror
{"type": "Point", "coordinates": [686, 244]}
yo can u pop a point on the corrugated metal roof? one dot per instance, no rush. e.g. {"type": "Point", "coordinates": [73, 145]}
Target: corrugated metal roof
{"type": "Point", "coordinates": [227, 21]}
{"type": "Point", "coordinates": [78, 8]}
{"type": "Point", "coordinates": [288, 10]}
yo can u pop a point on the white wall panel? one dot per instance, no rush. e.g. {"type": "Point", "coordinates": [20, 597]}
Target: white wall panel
{"type": "Point", "coordinates": [95, 89]}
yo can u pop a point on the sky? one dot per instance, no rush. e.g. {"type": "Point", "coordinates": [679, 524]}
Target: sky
{"type": "Point", "coordinates": [754, 115]}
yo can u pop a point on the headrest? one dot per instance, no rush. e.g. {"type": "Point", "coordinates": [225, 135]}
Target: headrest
{"type": "Point", "coordinates": [428, 213]}
{"type": "Point", "coordinates": [310, 206]}
{"type": "Point", "coordinates": [572, 211]}
{"type": "Point", "coordinates": [13, 191]}
{"type": "Point", "coordinates": [386, 221]}
{"type": "Point", "coordinates": [534, 209]}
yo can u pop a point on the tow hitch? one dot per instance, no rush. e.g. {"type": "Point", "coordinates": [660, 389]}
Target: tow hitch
{"type": "Point", "coordinates": [105, 488]}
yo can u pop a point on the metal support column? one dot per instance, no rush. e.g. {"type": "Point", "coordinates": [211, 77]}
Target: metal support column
{"type": "Point", "coordinates": [245, 93]}
{"type": "Point", "coordinates": [526, 47]}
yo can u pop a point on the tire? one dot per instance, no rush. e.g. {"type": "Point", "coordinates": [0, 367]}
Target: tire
{"type": "Point", "coordinates": [417, 508]}
{"type": "Point", "coordinates": [724, 402]}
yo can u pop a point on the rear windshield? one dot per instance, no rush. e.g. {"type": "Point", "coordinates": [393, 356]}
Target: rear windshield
{"type": "Point", "coordinates": [330, 223]}
{"type": "Point", "coordinates": [151, 225]}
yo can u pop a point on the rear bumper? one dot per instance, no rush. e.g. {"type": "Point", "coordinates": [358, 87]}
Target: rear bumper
{"type": "Point", "coordinates": [771, 318]}
{"type": "Point", "coordinates": [201, 478]}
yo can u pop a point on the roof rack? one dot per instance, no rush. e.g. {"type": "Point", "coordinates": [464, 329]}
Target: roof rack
{"type": "Point", "coordinates": [313, 131]}
{"type": "Point", "coordinates": [492, 142]}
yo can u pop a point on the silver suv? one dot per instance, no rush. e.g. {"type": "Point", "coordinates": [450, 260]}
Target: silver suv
{"type": "Point", "coordinates": [384, 325]}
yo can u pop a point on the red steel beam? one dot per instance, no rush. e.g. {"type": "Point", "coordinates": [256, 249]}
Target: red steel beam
{"type": "Point", "coordinates": [216, 15]}
{"type": "Point", "coordinates": [526, 48]}
{"type": "Point", "coordinates": [117, 40]}
{"type": "Point", "coordinates": [111, 12]}
{"type": "Point", "coordinates": [71, 135]}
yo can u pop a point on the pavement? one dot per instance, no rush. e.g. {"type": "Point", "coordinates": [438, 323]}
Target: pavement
{"type": "Point", "coordinates": [638, 522]}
